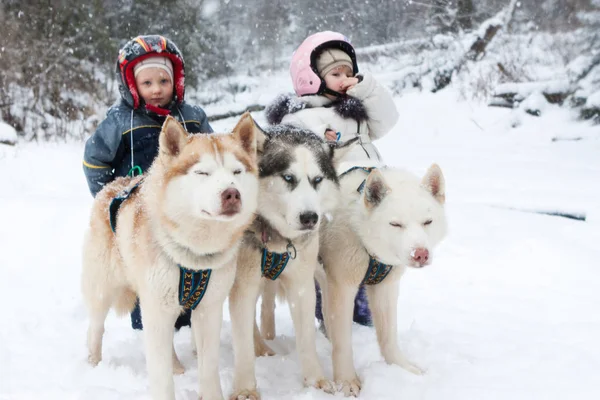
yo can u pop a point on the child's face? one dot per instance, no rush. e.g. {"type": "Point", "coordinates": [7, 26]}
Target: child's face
{"type": "Point", "coordinates": [154, 86]}
{"type": "Point", "coordinates": [335, 78]}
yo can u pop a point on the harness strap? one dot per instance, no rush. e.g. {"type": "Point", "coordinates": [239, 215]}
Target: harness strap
{"type": "Point", "coordinates": [117, 201]}
{"type": "Point", "coordinates": [192, 286]}
{"type": "Point", "coordinates": [376, 272]}
{"type": "Point", "coordinates": [368, 170]}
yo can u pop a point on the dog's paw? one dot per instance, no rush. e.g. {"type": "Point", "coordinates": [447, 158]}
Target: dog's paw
{"type": "Point", "coordinates": [245, 395]}
{"type": "Point", "coordinates": [410, 367]}
{"type": "Point", "coordinates": [401, 361]}
{"type": "Point", "coordinates": [349, 388]}
{"type": "Point", "coordinates": [262, 349]}
{"type": "Point", "coordinates": [94, 359]}
{"type": "Point", "coordinates": [325, 385]}
{"type": "Point", "coordinates": [413, 368]}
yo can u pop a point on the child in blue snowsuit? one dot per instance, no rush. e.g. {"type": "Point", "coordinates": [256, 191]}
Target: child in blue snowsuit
{"type": "Point", "coordinates": [151, 73]}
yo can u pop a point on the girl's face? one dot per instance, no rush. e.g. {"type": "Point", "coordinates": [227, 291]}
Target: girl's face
{"type": "Point", "coordinates": [155, 86]}
{"type": "Point", "coordinates": [335, 77]}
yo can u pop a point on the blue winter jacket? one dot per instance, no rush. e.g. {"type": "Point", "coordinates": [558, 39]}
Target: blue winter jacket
{"type": "Point", "coordinates": [108, 151]}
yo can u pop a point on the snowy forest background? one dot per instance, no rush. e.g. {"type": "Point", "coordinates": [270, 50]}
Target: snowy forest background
{"type": "Point", "coordinates": [503, 94]}
{"type": "Point", "coordinates": [57, 57]}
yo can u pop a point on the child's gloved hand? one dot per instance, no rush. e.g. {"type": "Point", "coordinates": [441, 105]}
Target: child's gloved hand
{"type": "Point", "coordinates": [331, 135]}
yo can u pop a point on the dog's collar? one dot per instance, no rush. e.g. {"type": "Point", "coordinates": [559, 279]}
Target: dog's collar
{"type": "Point", "coordinates": [268, 233]}
{"type": "Point", "coordinates": [376, 272]}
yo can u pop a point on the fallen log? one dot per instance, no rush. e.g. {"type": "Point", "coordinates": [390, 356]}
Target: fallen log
{"type": "Point", "coordinates": [511, 94]}
{"type": "Point", "coordinates": [229, 114]}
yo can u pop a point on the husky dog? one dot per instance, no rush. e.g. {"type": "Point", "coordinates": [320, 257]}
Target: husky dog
{"type": "Point", "coordinates": [388, 220]}
{"type": "Point", "coordinates": [174, 246]}
{"type": "Point", "coordinates": [298, 188]}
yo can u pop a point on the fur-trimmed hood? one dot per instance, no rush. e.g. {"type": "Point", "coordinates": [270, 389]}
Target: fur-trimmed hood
{"type": "Point", "coordinates": [284, 104]}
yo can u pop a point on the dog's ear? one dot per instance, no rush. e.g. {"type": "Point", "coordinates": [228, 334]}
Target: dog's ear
{"type": "Point", "coordinates": [434, 183]}
{"type": "Point", "coordinates": [172, 138]}
{"type": "Point", "coordinates": [261, 138]}
{"type": "Point", "coordinates": [337, 150]}
{"type": "Point", "coordinates": [375, 189]}
{"type": "Point", "coordinates": [247, 133]}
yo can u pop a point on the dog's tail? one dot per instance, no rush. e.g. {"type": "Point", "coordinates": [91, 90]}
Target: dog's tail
{"type": "Point", "coordinates": [124, 302]}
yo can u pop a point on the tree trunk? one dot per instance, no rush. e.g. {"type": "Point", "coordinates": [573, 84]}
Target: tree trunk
{"type": "Point", "coordinates": [464, 14]}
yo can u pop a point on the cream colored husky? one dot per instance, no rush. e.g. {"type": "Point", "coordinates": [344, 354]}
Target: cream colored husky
{"type": "Point", "coordinates": [388, 220]}
{"type": "Point", "coordinates": [187, 214]}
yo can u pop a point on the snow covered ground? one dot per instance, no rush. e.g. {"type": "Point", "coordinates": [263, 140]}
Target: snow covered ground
{"type": "Point", "coordinates": [508, 310]}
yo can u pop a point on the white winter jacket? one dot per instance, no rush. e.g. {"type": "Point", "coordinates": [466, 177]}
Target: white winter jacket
{"type": "Point", "coordinates": [368, 112]}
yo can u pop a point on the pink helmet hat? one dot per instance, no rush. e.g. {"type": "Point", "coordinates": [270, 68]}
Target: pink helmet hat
{"type": "Point", "coordinates": [303, 69]}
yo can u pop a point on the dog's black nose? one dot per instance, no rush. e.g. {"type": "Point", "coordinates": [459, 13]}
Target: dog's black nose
{"type": "Point", "coordinates": [309, 219]}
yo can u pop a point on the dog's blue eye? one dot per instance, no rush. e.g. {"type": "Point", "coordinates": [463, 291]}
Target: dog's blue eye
{"type": "Point", "coordinates": [318, 179]}
{"type": "Point", "coordinates": [428, 222]}
{"type": "Point", "coordinates": [288, 178]}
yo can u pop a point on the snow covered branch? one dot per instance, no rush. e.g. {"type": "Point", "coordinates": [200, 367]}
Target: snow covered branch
{"type": "Point", "coordinates": [486, 33]}
{"type": "Point", "coordinates": [236, 113]}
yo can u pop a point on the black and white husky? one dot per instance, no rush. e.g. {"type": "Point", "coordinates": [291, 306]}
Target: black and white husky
{"type": "Point", "coordinates": [298, 188]}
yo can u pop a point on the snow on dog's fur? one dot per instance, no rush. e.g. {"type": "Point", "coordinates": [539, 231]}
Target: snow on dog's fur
{"type": "Point", "coordinates": [397, 219]}
{"type": "Point", "coordinates": [298, 188]}
{"type": "Point", "coordinates": [191, 209]}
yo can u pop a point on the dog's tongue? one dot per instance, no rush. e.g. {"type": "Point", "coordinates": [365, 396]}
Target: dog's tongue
{"type": "Point", "coordinates": [158, 110]}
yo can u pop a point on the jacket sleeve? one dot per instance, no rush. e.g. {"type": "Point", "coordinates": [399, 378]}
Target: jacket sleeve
{"type": "Point", "coordinates": [99, 154]}
{"type": "Point", "coordinates": [379, 103]}
{"type": "Point", "coordinates": [204, 125]}
{"type": "Point", "coordinates": [317, 127]}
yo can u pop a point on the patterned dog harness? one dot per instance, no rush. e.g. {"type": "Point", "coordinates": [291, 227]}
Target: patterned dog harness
{"type": "Point", "coordinates": [192, 286]}
{"type": "Point", "coordinates": [377, 270]}
{"type": "Point", "coordinates": [273, 264]}
{"type": "Point", "coordinates": [192, 283]}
